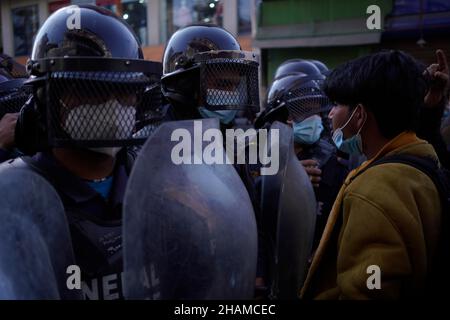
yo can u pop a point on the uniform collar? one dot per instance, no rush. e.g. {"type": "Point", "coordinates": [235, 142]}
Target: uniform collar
{"type": "Point", "coordinates": [73, 187]}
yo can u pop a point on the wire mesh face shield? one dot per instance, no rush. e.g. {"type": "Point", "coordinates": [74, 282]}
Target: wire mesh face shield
{"type": "Point", "coordinates": [13, 95]}
{"type": "Point", "coordinates": [217, 80]}
{"type": "Point", "coordinates": [305, 102]}
{"type": "Point", "coordinates": [98, 102]}
{"type": "Point", "coordinates": [302, 97]}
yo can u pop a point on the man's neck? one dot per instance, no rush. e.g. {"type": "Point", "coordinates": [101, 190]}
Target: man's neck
{"type": "Point", "coordinates": [85, 164]}
{"type": "Point", "coordinates": [373, 140]}
{"type": "Point", "coordinates": [374, 144]}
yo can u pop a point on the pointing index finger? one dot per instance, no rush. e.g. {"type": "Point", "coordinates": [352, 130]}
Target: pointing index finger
{"type": "Point", "coordinates": [442, 60]}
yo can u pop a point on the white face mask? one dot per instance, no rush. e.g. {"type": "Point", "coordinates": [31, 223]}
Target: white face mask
{"type": "Point", "coordinates": [107, 121]}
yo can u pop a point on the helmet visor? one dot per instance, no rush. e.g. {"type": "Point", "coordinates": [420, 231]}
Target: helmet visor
{"type": "Point", "coordinates": [228, 80]}
{"type": "Point", "coordinates": [101, 108]}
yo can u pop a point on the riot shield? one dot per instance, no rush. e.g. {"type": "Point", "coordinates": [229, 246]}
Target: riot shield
{"type": "Point", "coordinates": [189, 229]}
{"type": "Point", "coordinates": [36, 248]}
{"type": "Point", "coordinates": [288, 208]}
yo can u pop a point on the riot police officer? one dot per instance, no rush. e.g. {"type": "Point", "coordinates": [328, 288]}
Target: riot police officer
{"type": "Point", "coordinates": [206, 74]}
{"type": "Point", "coordinates": [297, 99]}
{"type": "Point", "coordinates": [88, 106]}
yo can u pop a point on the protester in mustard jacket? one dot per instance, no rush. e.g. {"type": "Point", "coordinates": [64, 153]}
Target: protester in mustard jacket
{"type": "Point", "coordinates": [386, 219]}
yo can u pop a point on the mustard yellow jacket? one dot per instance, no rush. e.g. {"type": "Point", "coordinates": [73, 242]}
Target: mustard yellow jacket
{"type": "Point", "coordinates": [387, 216]}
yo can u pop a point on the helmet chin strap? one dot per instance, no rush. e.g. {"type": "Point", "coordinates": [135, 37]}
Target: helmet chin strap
{"type": "Point", "coordinates": [109, 151]}
{"type": "Point", "coordinates": [184, 105]}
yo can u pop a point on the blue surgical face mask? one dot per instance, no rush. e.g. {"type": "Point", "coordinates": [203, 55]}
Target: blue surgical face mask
{"type": "Point", "coordinates": [224, 116]}
{"type": "Point", "coordinates": [352, 145]}
{"type": "Point", "coordinates": [446, 112]}
{"type": "Point", "coordinates": [308, 131]}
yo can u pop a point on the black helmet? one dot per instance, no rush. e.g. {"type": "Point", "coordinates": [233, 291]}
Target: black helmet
{"type": "Point", "coordinates": [297, 65]}
{"type": "Point", "coordinates": [11, 69]}
{"type": "Point", "coordinates": [204, 66]}
{"type": "Point", "coordinates": [321, 66]}
{"type": "Point", "coordinates": [89, 80]}
{"type": "Point", "coordinates": [13, 95]}
{"type": "Point", "coordinates": [296, 96]}
{"type": "Point", "coordinates": [85, 31]}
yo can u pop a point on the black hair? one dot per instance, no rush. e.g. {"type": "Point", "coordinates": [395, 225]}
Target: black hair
{"type": "Point", "coordinates": [390, 84]}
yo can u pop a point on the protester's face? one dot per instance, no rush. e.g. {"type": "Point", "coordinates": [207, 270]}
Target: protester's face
{"type": "Point", "coordinates": [352, 119]}
{"type": "Point", "coordinates": [339, 115]}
